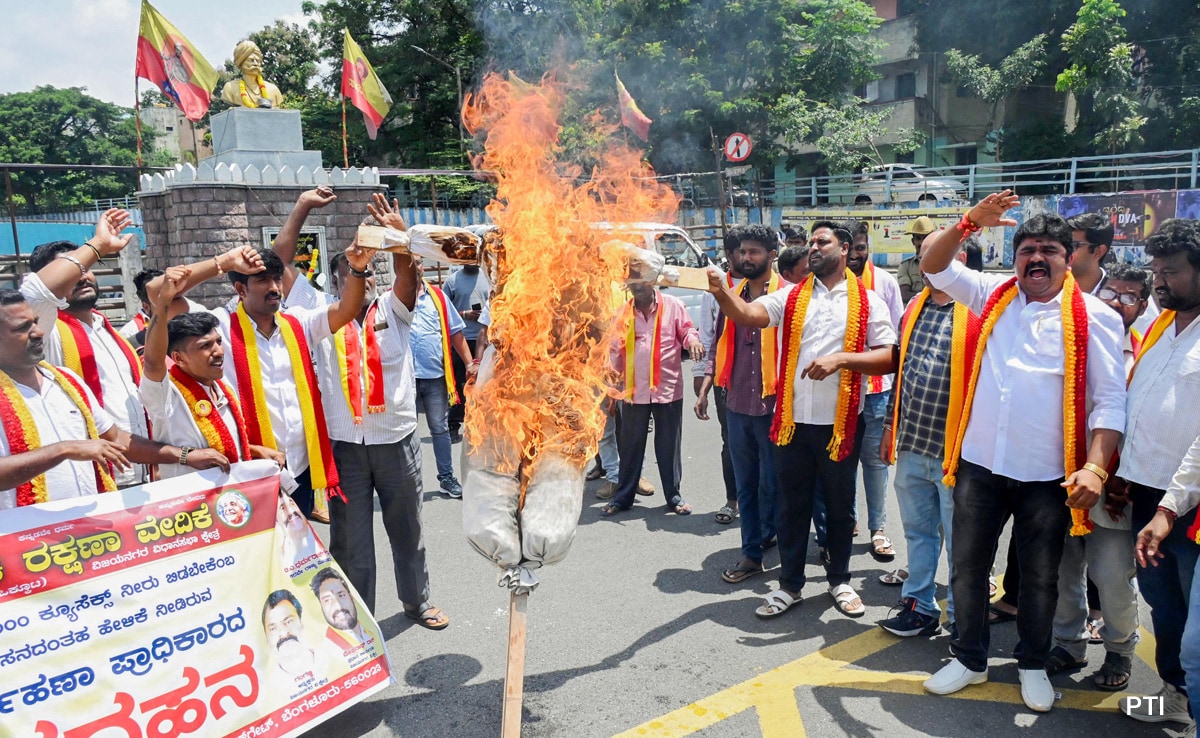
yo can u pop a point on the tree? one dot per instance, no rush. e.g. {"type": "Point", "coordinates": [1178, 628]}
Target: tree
{"type": "Point", "coordinates": [52, 125]}
{"type": "Point", "coordinates": [844, 132]}
{"type": "Point", "coordinates": [1101, 76]}
{"type": "Point", "coordinates": [995, 85]}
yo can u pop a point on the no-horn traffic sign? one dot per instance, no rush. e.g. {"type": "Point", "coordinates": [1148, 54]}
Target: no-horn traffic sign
{"type": "Point", "coordinates": [738, 147]}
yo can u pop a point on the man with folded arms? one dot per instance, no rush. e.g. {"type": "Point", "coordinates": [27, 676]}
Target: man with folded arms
{"type": "Point", "coordinates": [834, 333]}
{"type": "Point", "coordinates": [57, 441]}
{"type": "Point", "coordinates": [1045, 353]}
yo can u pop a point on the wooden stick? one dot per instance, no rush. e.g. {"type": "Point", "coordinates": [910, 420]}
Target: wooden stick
{"type": "Point", "coordinates": [514, 675]}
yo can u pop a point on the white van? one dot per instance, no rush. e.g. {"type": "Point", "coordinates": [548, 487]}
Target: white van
{"type": "Point", "coordinates": [673, 244]}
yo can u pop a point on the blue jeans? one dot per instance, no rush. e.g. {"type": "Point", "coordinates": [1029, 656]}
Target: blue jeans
{"type": "Point", "coordinates": [610, 455]}
{"type": "Point", "coordinates": [1189, 655]}
{"type": "Point", "coordinates": [753, 455]}
{"type": "Point", "coordinates": [433, 400]}
{"type": "Point", "coordinates": [926, 505]}
{"type": "Point", "coordinates": [875, 472]}
{"type": "Point", "coordinates": [1166, 587]}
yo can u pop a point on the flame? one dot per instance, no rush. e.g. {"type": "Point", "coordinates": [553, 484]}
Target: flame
{"type": "Point", "coordinates": [556, 290]}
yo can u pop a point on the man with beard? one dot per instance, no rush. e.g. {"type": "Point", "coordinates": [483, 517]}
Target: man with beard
{"type": "Point", "coordinates": [1046, 352]}
{"type": "Point", "coordinates": [834, 331]}
{"type": "Point", "coordinates": [57, 441]}
{"type": "Point", "coordinates": [345, 631]}
{"type": "Point", "coordinates": [63, 292]}
{"type": "Point", "coordinates": [742, 360]}
{"type": "Point", "coordinates": [367, 379]}
{"type": "Point", "coordinates": [1164, 394]}
{"type": "Point", "coordinates": [190, 403]}
{"type": "Point", "coordinates": [284, 630]}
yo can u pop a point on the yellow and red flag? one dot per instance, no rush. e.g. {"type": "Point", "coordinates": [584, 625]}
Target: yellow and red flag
{"type": "Point", "coordinates": [170, 61]}
{"type": "Point", "coordinates": [362, 86]}
{"type": "Point", "coordinates": [632, 116]}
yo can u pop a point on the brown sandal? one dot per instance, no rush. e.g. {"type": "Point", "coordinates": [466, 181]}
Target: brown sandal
{"type": "Point", "coordinates": [429, 617]}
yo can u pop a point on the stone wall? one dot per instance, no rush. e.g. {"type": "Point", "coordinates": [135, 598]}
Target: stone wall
{"type": "Point", "coordinates": [188, 223]}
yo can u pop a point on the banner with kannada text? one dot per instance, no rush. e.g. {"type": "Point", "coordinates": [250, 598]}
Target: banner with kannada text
{"type": "Point", "coordinates": [202, 605]}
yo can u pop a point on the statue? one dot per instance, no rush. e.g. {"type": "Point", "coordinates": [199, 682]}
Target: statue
{"type": "Point", "coordinates": [250, 90]}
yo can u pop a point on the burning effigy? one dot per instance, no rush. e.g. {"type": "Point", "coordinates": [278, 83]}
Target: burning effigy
{"type": "Point", "coordinates": [535, 410]}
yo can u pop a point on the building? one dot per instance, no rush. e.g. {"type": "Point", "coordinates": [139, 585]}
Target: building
{"type": "Point", "coordinates": [175, 134]}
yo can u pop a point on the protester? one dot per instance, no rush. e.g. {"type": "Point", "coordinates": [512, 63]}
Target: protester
{"type": "Point", "coordinates": [742, 361]}
{"type": "Point", "coordinates": [1021, 439]}
{"type": "Point", "coordinates": [59, 442]}
{"type": "Point", "coordinates": [832, 326]}
{"type": "Point", "coordinates": [1091, 237]}
{"type": "Point", "coordinates": [1164, 393]}
{"type": "Point", "coordinates": [908, 274]}
{"type": "Point", "coordinates": [468, 290]}
{"type": "Point", "coordinates": [793, 263]}
{"type": "Point", "coordinates": [1127, 290]}
{"type": "Point", "coordinates": [367, 378]}
{"type": "Point", "coordinates": [930, 380]}
{"type": "Point", "coordinates": [437, 336]}
{"type": "Point", "coordinates": [134, 330]}
{"type": "Point", "coordinates": [702, 378]}
{"type": "Point", "coordinates": [650, 363]}
{"type": "Point", "coordinates": [189, 404]}
{"type": "Point", "coordinates": [63, 292]}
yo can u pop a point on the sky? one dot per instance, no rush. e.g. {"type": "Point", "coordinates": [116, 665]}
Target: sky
{"type": "Point", "coordinates": [93, 43]}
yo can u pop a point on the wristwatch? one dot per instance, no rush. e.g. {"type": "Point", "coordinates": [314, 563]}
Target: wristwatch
{"type": "Point", "coordinates": [183, 454]}
{"type": "Point", "coordinates": [361, 275]}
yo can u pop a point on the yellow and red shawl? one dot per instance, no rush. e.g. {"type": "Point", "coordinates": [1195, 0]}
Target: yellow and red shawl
{"type": "Point", "coordinates": [246, 364]}
{"type": "Point", "coordinates": [875, 383]}
{"type": "Point", "coordinates": [22, 433]}
{"type": "Point", "coordinates": [655, 346]}
{"type": "Point", "coordinates": [962, 357]}
{"type": "Point", "coordinates": [80, 356]}
{"type": "Point", "coordinates": [845, 422]}
{"type": "Point", "coordinates": [351, 347]}
{"type": "Point", "coordinates": [439, 302]}
{"type": "Point", "coordinates": [213, 427]}
{"type": "Point", "coordinates": [1075, 355]}
{"type": "Point", "coordinates": [723, 363]}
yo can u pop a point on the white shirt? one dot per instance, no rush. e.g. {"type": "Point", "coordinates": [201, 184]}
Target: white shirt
{"type": "Point", "coordinates": [1184, 492]}
{"type": "Point", "coordinates": [815, 403]}
{"type": "Point", "coordinates": [173, 422]}
{"type": "Point", "coordinates": [399, 382]}
{"type": "Point", "coordinates": [1163, 408]}
{"type": "Point", "coordinates": [306, 297]}
{"type": "Point", "coordinates": [59, 419]}
{"type": "Point", "coordinates": [1016, 424]}
{"type": "Point", "coordinates": [116, 382]}
{"type": "Point", "coordinates": [278, 380]}
{"type": "Point", "coordinates": [888, 290]}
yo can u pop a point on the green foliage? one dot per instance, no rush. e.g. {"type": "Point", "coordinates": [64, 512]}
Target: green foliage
{"type": "Point", "coordinates": [844, 134]}
{"type": "Point", "coordinates": [52, 125]}
{"type": "Point", "coordinates": [994, 85]}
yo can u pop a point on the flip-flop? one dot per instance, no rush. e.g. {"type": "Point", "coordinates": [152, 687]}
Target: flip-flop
{"type": "Point", "coordinates": [894, 578]}
{"type": "Point", "coordinates": [725, 515]}
{"type": "Point", "coordinates": [777, 603]}
{"type": "Point", "coordinates": [610, 510]}
{"type": "Point", "coordinates": [843, 595]}
{"type": "Point", "coordinates": [996, 615]}
{"type": "Point", "coordinates": [881, 547]}
{"type": "Point", "coordinates": [738, 574]}
{"type": "Point", "coordinates": [678, 506]}
{"type": "Point", "coordinates": [430, 617]}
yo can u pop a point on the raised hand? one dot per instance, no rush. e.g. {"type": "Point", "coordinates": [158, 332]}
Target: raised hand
{"type": "Point", "coordinates": [107, 238]}
{"type": "Point", "coordinates": [716, 282]}
{"type": "Point", "coordinates": [316, 198]}
{"type": "Point", "coordinates": [243, 260]}
{"type": "Point", "coordinates": [991, 209]}
{"type": "Point", "coordinates": [173, 283]}
{"type": "Point", "coordinates": [386, 215]}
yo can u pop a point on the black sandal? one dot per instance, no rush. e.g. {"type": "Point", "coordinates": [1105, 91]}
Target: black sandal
{"type": "Point", "coordinates": [611, 509]}
{"type": "Point", "coordinates": [1060, 661]}
{"type": "Point", "coordinates": [1113, 674]}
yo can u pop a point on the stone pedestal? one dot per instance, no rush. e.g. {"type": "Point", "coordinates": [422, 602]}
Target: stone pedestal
{"type": "Point", "coordinates": [261, 138]}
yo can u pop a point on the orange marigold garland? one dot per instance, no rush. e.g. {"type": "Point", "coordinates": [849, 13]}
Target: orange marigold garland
{"type": "Point", "coordinates": [217, 433]}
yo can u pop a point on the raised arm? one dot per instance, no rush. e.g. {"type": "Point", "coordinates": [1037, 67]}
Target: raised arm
{"type": "Point", "coordinates": [941, 246]}
{"type": "Point", "coordinates": [749, 314]}
{"type": "Point", "coordinates": [61, 275]}
{"type": "Point", "coordinates": [349, 304]}
{"type": "Point", "coordinates": [404, 286]}
{"type": "Point", "coordinates": [154, 359]}
{"type": "Point", "coordinates": [288, 236]}
{"type": "Point", "coordinates": [243, 259]}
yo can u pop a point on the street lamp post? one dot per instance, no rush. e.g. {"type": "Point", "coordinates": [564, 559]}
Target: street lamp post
{"type": "Point", "coordinates": [458, 79]}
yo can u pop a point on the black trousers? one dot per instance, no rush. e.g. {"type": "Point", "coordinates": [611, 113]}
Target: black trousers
{"type": "Point", "coordinates": [799, 466]}
{"type": "Point", "coordinates": [668, 441]}
{"type": "Point", "coordinates": [458, 412]}
{"type": "Point", "coordinates": [731, 495]}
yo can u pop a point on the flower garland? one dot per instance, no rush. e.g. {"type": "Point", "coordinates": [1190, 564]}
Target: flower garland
{"type": "Point", "coordinates": [22, 433]}
{"type": "Point", "coordinates": [208, 421]}
{"type": "Point", "coordinates": [1075, 340]}
{"type": "Point", "coordinates": [246, 99]}
{"type": "Point", "coordinates": [845, 422]}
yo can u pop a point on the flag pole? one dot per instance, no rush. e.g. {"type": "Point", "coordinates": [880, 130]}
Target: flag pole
{"type": "Point", "coordinates": [137, 116]}
{"type": "Point", "coordinates": [345, 149]}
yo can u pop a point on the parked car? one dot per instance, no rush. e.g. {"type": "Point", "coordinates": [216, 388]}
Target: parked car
{"type": "Point", "coordinates": [909, 182]}
{"type": "Point", "coordinates": [673, 244]}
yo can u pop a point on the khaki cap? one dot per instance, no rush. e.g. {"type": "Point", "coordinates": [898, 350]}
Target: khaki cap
{"type": "Point", "coordinates": [922, 226]}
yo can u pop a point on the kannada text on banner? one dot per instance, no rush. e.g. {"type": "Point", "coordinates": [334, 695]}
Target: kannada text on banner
{"type": "Point", "coordinates": [199, 605]}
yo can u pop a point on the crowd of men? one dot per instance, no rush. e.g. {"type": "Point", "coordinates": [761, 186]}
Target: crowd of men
{"type": "Point", "coordinates": [1060, 397]}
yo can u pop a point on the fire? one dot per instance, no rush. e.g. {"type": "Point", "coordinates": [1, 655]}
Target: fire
{"type": "Point", "coordinates": [556, 290]}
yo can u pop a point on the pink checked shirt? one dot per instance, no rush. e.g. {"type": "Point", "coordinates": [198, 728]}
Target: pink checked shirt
{"type": "Point", "coordinates": [674, 335]}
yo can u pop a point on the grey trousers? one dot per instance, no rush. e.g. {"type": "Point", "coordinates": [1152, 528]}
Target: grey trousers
{"type": "Point", "coordinates": [392, 470]}
{"type": "Point", "coordinates": [1106, 557]}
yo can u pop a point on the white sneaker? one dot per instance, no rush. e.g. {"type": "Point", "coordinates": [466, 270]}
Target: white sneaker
{"type": "Point", "coordinates": [1167, 705]}
{"type": "Point", "coordinates": [1036, 689]}
{"type": "Point", "coordinates": [954, 676]}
